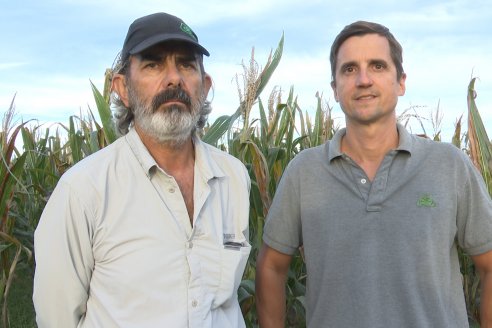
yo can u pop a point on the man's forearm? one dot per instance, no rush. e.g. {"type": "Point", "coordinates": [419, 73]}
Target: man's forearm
{"type": "Point", "coordinates": [270, 299]}
{"type": "Point", "coordinates": [486, 301]}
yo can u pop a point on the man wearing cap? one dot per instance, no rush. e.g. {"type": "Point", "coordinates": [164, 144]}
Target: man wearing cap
{"type": "Point", "coordinates": [151, 231]}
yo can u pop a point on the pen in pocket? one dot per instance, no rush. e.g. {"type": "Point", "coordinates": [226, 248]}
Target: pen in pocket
{"type": "Point", "coordinates": [233, 245]}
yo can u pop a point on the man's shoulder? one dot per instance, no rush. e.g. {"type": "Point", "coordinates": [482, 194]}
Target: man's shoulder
{"type": "Point", "coordinates": [98, 162]}
{"type": "Point", "coordinates": [220, 156]}
{"type": "Point", "coordinates": [436, 148]}
{"type": "Point", "coordinates": [313, 155]}
{"type": "Point", "coordinates": [442, 156]}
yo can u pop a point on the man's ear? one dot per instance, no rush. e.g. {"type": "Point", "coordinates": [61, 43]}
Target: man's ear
{"type": "Point", "coordinates": [118, 84]}
{"type": "Point", "coordinates": [401, 83]}
{"type": "Point", "coordinates": [334, 88]}
{"type": "Point", "coordinates": [207, 84]}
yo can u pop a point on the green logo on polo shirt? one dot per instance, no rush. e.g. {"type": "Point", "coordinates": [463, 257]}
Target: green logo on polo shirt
{"type": "Point", "coordinates": [426, 201]}
{"type": "Point", "coordinates": [185, 28]}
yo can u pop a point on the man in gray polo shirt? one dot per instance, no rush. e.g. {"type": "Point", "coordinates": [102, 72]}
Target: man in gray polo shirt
{"type": "Point", "coordinates": [379, 212]}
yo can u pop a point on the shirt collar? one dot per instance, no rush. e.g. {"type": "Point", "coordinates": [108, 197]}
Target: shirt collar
{"type": "Point", "coordinates": [405, 143]}
{"type": "Point", "coordinates": [334, 149]}
{"type": "Point", "coordinates": [405, 139]}
{"type": "Point", "coordinates": [140, 151]}
{"type": "Point", "coordinates": [203, 159]}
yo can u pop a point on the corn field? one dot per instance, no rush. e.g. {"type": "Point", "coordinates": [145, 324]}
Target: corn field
{"type": "Point", "coordinates": [264, 133]}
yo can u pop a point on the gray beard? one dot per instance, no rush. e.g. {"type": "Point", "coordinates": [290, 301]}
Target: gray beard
{"type": "Point", "coordinates": [172, 126]}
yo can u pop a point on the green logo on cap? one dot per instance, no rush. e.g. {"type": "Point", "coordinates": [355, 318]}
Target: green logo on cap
{"type": "Point", "coordinates": [185, 28]}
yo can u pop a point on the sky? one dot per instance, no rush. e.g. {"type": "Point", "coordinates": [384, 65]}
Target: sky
{"type": "Point", "coordinates": [52, 49]}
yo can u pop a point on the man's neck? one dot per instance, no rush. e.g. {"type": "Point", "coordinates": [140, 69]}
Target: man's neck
{"type": "Point", "coordinates": [368, 144]}
{"type": "Point", "coordinates": [171, 157]}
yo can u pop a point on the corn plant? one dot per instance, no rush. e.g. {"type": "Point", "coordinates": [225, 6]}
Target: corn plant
{"type": "Point", "coordinates": [11, 248]}
{"type": "Point", "coordinates": [264, 135]}
{"type": "Point", "coordinates": [480, 152]}
{"type": "Point", "coordinates": [266, 145]}
{"type": "Point", "coordinates": [479, 143]}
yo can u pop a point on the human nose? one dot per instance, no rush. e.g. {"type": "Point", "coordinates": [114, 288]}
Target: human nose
{"type": "Point", "coordinates": [363, 78]}
{"type": "Point", "coordinates": [172, 76]}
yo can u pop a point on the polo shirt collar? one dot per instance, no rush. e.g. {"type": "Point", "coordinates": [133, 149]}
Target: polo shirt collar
{"type": "Point", "coordinates": [335, 143]}
{"type": "Point", "coordinates": [405, 139]}
{"type": "Point", "coordinates": [404, 145]}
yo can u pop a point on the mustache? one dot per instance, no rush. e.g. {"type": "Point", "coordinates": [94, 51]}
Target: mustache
{"type": "Point", "coordinates": [170, 94]}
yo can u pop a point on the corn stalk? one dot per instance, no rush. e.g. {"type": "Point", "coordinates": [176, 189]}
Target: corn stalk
{"type": "Point", "coordinates": [480, 152]}
{"type": "Point", "coordinates": [10, 247]}
{"type": "Point", "coordinates": [265, 144]}
{"type": "Point", "coordinates": [479, 142]}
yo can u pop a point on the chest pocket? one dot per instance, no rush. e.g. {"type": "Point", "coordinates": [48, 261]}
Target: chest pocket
{"type": "Point", "coordinates": [218, 271]}
{"type": "Point", "coordinates": [232, 265]}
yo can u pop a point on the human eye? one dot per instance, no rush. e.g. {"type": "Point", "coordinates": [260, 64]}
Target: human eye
{"type": "Point", "coordinates": [188, 63]}
{"type": "Point", "coordinates": [379, 66]}
{"type": "Point", "coordinates": [150, 65]}
{"type": "Point", "coordinates": [348, 69]}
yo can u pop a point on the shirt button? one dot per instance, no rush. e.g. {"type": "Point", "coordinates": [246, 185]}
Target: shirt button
{"type": "Point", "coordinates": [171, 190]}
{"type": "Point", "coordinates": [194, 303]}
{"type": "Point", "coordinates": [363, 181]}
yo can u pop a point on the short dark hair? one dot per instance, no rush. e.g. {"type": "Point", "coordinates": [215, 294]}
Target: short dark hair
{"type": "Point", "coordinates": [361, 28]}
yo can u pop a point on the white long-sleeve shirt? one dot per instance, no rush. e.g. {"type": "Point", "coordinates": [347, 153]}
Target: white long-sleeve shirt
{"type": "Point", "coordinates": [115, 247]}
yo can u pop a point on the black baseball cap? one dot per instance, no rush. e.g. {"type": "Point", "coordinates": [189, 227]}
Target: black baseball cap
{"type": "Point", "coordinates": [150, 30]}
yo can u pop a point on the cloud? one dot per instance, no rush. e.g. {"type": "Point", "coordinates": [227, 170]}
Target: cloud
{"type": "Point", "coordinates": [6, 66]}
{"type": "Point", "coordinates": [49, 98]}
{"type": "Point", "coordinates": [195, 12]}
{"type": "Point", "coordinates": [443, 41]}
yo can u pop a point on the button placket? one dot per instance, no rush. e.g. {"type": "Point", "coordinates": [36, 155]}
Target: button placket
{"type": "Point", "coordinates": [378, 190]}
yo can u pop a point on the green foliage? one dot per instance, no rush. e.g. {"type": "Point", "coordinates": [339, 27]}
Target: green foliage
{"type": "Point", "coordinates": [480, 151]}
{"type": "Point", "coordinates": [105, 115]}
{"type": "Point", "coordinates": [11, 248]}
{"type": "Point", "coordinates": [264, 135]}
{"type": "Point", "coordinates": [479, 143]}
{"type": "Point", "coordinates": [21, 311]}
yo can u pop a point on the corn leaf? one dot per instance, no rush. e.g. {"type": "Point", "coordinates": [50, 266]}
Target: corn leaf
{"type": "Point", "coordinates": [270, 66]}
{"type": "Point", "coordinates": [105, 115]}
{"type": "Point", "coordinates": [480, 145]}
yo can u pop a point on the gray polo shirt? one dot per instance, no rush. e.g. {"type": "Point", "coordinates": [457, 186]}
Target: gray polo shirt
{"type": "Point", "coordinates": [382, 253]}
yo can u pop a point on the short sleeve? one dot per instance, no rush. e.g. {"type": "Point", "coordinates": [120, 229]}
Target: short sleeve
{"type": "Point", "coordinates": [283, 231]}
{"type": "Point", "coordinates": [474, 219]}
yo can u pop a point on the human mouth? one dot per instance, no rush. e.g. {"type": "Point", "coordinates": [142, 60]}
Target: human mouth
{"type": "Point", "coordinates": [365, 97]}
{"type": "Point", "coordinates": [171, 97]}
{"type": "Point", "coordinates": [174, 102]}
